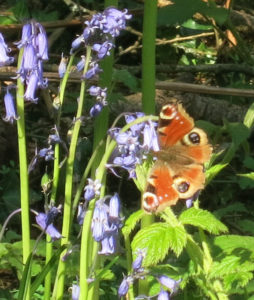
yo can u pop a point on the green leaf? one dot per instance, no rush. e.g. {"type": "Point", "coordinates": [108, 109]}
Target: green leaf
{"type": "Point", "coordinates": [157, 239]}
{"type": "Point", "coordinates": [249, 117]}
{"type": "Point", "coordinates": [240, 279]}
{"type": "Point", "coordinates": [219, 14]}
{"type": "Point", "coordinates": [229, 243]}
{"type": "Point", "coordinates": [246, 180]}
{"type": "Point", "coordinates": [236, 207]}
{"type": "Point", "coordinates": [247, 226]}
{"type": "Point", "coordinates": [132, 221]}
{"type": "Point", "coordinates": [126, 78]}
{"type": "Point", "coordinates": [202, 219]}
{"type": "Point", "coordinates": [142, 171]}
{"type": "Point", "coordinates": [3, 250]}
{"type": "Point", "coordinates": [213, 171]}
{"type": "Point", "coordinates": [179, 12]}
{"type": "Point", "coordinates": [191, 24]}
{"type": "Point", "coordinates": [238, 131]}
{"type": "Point", "coordinates": [226, 266]}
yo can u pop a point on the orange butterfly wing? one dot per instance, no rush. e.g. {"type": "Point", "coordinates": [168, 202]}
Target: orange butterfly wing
{"type": "Point", "coordinates": [178, 171]}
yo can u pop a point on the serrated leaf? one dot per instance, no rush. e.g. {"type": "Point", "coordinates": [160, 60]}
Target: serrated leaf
{"type": "Point", "coordinates": [131, 222]}
{"type": "Point", "coordinates": [3, 250]}
{"type": "Point", "coordinates": [226, 266]}
{"type": "Point", "coordinates": [229, 243]}
{"type": "Point", "coordinates": [202, 219]}
{"type": "Point", "coordinates": [157, 239]}
{"type": "Point", "coordinates": [240, 279]}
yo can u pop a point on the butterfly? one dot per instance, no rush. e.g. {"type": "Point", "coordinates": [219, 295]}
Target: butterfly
{"type": "Point", "coordinates": [178, 172]}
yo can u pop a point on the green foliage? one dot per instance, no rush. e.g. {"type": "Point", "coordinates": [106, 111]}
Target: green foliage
{"type": "Point", "coordinates": [131, 222]}
{"type": "Point", "coordinates": [126, 78]}
{"type": "Point", "coordinates": [202, 219]}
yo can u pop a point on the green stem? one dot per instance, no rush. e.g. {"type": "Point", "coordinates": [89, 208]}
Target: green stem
{"type": "Point", "coordinates": [56, 173]}
{"type": "Point", "coordinates": [23, 168]}
{"type": "Point", "coordinates": [60, 278]}
{"type": "Point", "coordinates": [148, 85]}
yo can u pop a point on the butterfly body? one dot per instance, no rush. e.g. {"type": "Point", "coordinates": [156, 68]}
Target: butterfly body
{"type": "Point", "coordinates": [178, 172]}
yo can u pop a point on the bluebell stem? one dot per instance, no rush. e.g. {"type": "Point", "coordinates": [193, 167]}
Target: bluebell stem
{"type": "Point", "coordinates": [4, 58]}
{"type": "Point", "coordinates": [163, 295]}
{"type": "Point", "coordinates": [10, 109]}
{"type": "Point", "coordinates": [62, 66]}
{"type": "Point", "coordinates": [92, 189]}
{"type": "Point", "coordinates": [41, 220]}
{"type": "Point", "coordinates": [75, 292]}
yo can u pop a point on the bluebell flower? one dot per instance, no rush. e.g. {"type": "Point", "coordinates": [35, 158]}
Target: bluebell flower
{"type": "Point", "coordinates": [137, 264]}
{"type": "Point", "coordinates": [81, 63]}
{"type": "Point", "coordinates": [4, 58]}
{"type": "Point", "coordinates": [62, 66]}
{"type": "Point", "coordinates": [103, 49]}
{"type": "Point", "coordinates": [35, 44]}
{"type": "Point", "coordinates": [41, 219]}
{"type": "Point", "coordinates": [96, 109]}
{"type": "Point", "coordinates": [31, 89]}
{"type": "Point", "coordinates": [42, 42]}
{"type": "Point", "coordinates": [100, 221]}
{"type": "Point", "coordinates": [98, 92]}
{"type": "Point", "coordinates": [26, 35]}
{"type": "Point", "coordinates": [94, 70]}
{"type": "Point", "coordinates": [169, 283]}
{"type": "Point", "coordinates": [52, 214]}
{"type": "Point", "coordinates": [77, 43]}
{"type": "Point", "coordinates": [46, 153]}
{"type": "Point", "coordinates": [115, 21]}
{"type": "Point", "coordinates": [108, 245]}
{"type": "Point", "coordinates": [75, 292]}
{"type": "Point", "coordinates": [81, 213]}
{"type": "Point", "coordinates": [163, 295]}
{"type": "Point", "coordinates": [10, 109]}
{"type": "Point", "coordinates": [29, 60]}
{"type": "Point", "coordinates": [92, 190]}
{"type": "Point", "coordinates": [124, 286]}
{"type": "Point", "coordinates": [137, 128]}
{"type": "Point", "coordinates": [150, 137]}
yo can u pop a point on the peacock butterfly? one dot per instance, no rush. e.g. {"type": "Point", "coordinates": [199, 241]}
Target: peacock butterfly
{"type": "Point", "coordinates": [178, 172]}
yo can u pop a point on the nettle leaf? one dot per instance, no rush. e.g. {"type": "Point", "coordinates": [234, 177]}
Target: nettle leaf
{"type": "Point", "coordinates": [226, 266]}
{"type": "Point", "coordinates": [237, 279]}
{"type": "Point", "coordinates": [157, 239]}
{"type": "Point", "coordinates": [202, 219]}
{"type": "Point", "coordinates": [229, 243]}
{"type": "Point", "coordinates": [131, 222]}
{"type": "Point", "coordinates": [3, 249]}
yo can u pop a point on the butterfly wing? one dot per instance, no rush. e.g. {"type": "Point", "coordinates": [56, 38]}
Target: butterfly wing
{"type": "Point", "coordinates": [178, 172]}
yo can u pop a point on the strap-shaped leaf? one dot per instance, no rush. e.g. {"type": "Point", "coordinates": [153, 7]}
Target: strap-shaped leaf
{"type": "Point", "coordinates": [202, 219]}
{"type": "Point", "coordinates": [157, 239]}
